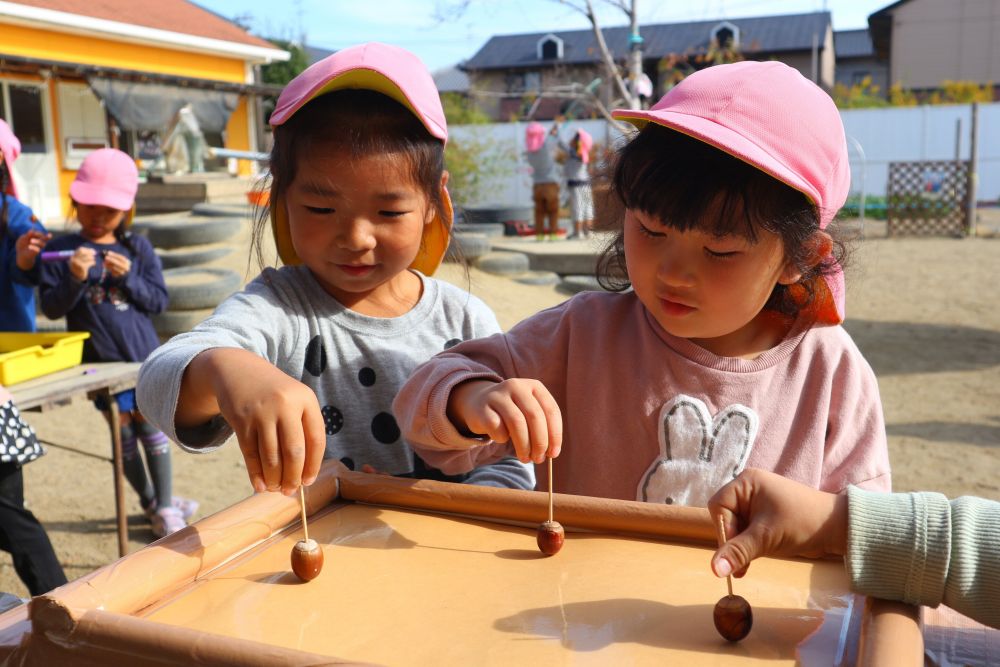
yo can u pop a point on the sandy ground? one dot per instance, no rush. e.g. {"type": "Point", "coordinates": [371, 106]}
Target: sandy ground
{"type": "Point", "coordinates": [923, 311]}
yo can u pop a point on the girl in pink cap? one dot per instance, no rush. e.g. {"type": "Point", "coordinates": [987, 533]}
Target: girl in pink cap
{"type": "Point", "coordinates": [540, 150]}
{"type": "Point", "coordinates": [304, 363]}
{"type": "Point", "coordinates": [22, 238]}
{"type": "Point", "coordinates": [727, 351]}
{"type": "Point", "coordinates": [576, 170]}
{"type": "Point", "coordinates": [111, 285]}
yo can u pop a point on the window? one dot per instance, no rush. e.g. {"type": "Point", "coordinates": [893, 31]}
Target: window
{"type": "Point", "coordinates": [23, 109]}
{"type": "Point", "coordinates": [532, 82]}
{"type": "Point", "coordinates": [726, 35]}
{"type": "Point", "coordinates": [550, 47]}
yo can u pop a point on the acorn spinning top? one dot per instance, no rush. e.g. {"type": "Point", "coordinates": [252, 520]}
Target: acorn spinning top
{"type": "Point", "coordinates": [732, 614]}
{"type": "Point", "coordinates": [307, 556]}
{"type": "Point", "coordinates": [550, 534]}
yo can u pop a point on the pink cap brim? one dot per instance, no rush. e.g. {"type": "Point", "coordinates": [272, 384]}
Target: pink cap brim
{"type": "Point", "coordinates": [386, 69]}
{"type": "Point", "coordinates": [95, 195]}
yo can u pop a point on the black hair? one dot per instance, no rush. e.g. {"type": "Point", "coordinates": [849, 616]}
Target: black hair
{"type": "Point", "coordinates": [687, 184]}
{"type": "Point", "coordinates": [362, 122]}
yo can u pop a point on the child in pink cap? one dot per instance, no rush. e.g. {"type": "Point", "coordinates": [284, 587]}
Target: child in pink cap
{"type": "Point", "coordinates": [727, 351]}
{"type": "Point", "coordinates": [111, 286]}
{"type": "Point", "coordinates": [540, 151]}
{"type": "Point", "coordinates": [22, 238]}
{"type": "Point", "coordinates": [305, 362]}
{"type": "Point", "coordinates": [576, 170]}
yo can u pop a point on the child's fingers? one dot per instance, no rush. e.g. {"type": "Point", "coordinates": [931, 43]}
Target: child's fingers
{"type": "Point", "coordinates": [248, 445]}
{"type": "Point", "coordinates": [517, 430]}
{"type": "Point", "coordinates": [315, 432]}
{"type": "Point", "coordinates": [270, 456]}
{"type": "Point", "coordinates": [537, 428]}
{"type": "Point", "coordinates": [735, 556]}
{"type": "Point", "coordinates": [553, 420]}
{"type": "Point", "coordinates": [292, 449]}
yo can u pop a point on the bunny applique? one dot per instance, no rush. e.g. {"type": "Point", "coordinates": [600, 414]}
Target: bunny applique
{"type": "Point", "coordinates": [698, 453]}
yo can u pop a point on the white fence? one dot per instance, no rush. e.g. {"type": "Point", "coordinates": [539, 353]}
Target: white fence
{"type": "Point", "coordinates": [876, 137]}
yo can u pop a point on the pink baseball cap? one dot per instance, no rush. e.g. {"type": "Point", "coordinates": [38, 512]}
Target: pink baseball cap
{"type": "Point", "coordinates": [386, 69]}
{"type": "Point", "coordinates": [585, 143]}
{"type": "Point", "coordinates": [10, 148]}
{"type": "Point", "coordinates": [534, 137]}
{"type": "Point", "coordinates": [771, 117]}
{"type": "Point", "coordinates": [396, 73]}
{"type": "Point", "coordinates": [107, 177]}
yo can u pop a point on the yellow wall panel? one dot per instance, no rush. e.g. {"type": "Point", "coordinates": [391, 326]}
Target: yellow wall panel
{"type": "Point", "coordinates": [89, 50]}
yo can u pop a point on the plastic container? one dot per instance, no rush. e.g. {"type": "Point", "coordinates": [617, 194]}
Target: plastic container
{"type": "Point", "coordinates": [24, 356]}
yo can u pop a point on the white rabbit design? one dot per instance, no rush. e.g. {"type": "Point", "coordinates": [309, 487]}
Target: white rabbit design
{"type": "Point", "coordinates": [698, 454]}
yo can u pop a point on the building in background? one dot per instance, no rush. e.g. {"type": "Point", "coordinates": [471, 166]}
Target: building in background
{"type": "Point", "coordinates": [927, 42]}
{"type": "Point", "coordinates": [76, 75]}
{"type": "Point", "coordinates": [857, 61]}
{"type": "Point", "coordinates": [510, 71]}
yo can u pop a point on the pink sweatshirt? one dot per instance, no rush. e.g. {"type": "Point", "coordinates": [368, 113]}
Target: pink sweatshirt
{"type": "Point", "coordinates": [649, 416]}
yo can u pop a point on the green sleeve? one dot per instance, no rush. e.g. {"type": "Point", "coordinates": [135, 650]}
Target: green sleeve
{"type": "Point", "coordinates": [922, 549]}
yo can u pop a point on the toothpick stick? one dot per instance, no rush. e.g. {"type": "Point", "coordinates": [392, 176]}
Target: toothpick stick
{"type": "Point", "coordinates": [722, 542]}
{"type": "Point", "coordinates": [302, 498]}
{"type": "Point", "coordinates": [550, 489]}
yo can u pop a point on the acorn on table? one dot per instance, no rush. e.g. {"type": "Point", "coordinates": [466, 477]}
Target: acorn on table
{"type": "Point", "coordinates": [307, 559]}
{"type": "Point", "coordinates": [733, 617]}
{"type": "Point", "coordinates": [550, 537]}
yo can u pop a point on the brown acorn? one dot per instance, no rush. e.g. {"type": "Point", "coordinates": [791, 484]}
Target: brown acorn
{"type": "Point", "coordinates": [733, 617]}
{"type": "Point", "coordinates": [307, 559]}
{"type": "Point", "coordinates": [550, 537]}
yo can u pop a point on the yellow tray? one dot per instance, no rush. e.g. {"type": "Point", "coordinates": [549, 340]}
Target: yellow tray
{"type": "Point", "coordinates": [24, 356]}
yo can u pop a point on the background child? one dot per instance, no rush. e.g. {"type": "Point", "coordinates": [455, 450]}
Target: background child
{"type": "Point", "coordinates": [726, 353]}
{"type": "Point", "coordinates": [110, 287]}
{"type": "Point", "coordinates": [915, 547]}
{"type": "Point", "coordinates": [577, 172]}
{"type": "Point", "coordinates": [305, 362]}
{"type": "Point", "coordinates": [21, 239]}
{"type": "Point", "coordinates": [540, 153]}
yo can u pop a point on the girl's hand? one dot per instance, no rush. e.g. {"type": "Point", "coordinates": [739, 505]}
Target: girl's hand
{"type": "Point", "coordinates": [117, 265]}
{"type": "Point", "coordinates": [775, 516]}
{"type": "Point", "coordinates": [28, 246]}
{"type": "Point", "coordinates": [81, 261]}
{"type": "Point", "coordinates": [518, 410]}
{"type": "Point", "coordinates": [277, 419]}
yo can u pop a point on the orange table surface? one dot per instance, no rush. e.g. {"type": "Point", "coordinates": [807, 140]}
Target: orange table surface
{"type": "Point", "coordinates": [408, 582]}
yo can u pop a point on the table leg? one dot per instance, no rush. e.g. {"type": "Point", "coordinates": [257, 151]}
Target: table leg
{"type": "Point", "coordinates": [116, 456]}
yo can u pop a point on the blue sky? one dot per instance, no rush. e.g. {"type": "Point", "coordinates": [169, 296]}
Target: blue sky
{"type": "Point", "coordinates": [412, 24]}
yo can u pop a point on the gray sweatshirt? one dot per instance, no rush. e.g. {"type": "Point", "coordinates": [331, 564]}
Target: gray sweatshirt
{"type": "Point", "coordinates": [354, 363]}
{"type": "Point", "coordinates": [544, 168]}
{"type": "Point", "coordinates": [922, 549]}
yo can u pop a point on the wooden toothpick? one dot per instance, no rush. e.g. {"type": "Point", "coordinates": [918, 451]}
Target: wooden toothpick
{"type": "Point", "coordinates": [302, 498]}
{"type": "Point", "coordinates": [722, 542]}
{"type": "Point", "coordinates": [550, 489]}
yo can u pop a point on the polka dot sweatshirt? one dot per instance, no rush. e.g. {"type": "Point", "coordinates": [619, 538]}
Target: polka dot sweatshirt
{"type": "Point", "coordinates": [354, 363]}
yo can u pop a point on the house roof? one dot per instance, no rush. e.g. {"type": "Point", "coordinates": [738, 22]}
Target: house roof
{"type": "Point", "coordinates": [853, 43]}
{"type": "Point", "coordinates": [763, 34]}
{"type": "Point", "coordinates": [171, 21]}
{"type": "Point", "coordinates": [451, 80]}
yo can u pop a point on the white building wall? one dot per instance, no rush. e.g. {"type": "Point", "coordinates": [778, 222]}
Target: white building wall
{"type": "Point", "coordinates": [883, 135]}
